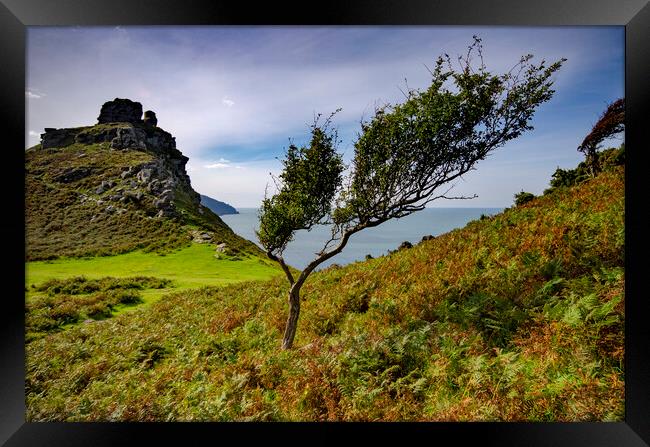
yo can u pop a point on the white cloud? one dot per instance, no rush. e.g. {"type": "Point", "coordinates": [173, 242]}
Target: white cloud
{"type": "Point", "coordinates": [280, 77]}
{"type": "Point", "coordinates": [33, 95]}
{"type": "Point", "coordinates": [222, 163]}
{"type": "Point", "coordinates": [217, 166]}
{"type": "Point", "coordinates": [34, 134]}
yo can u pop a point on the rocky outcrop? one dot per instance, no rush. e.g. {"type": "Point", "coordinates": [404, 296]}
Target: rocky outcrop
{"type": "Point", "coordinates": [70, 175]}
{"type": "Point", "coordinates": [129, 137]}
{"type": "Point", "coordinates": [120, 111]}
{"type": "Point", "coordinates": [150, 118]}
{"type": "Point", "coordinates": [57, 137]}
{"type": "Point", "coordinates": [162, 180]}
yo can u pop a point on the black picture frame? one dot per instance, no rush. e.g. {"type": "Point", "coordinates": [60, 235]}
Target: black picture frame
{"type": "Point", "coordinates": [16, 15]}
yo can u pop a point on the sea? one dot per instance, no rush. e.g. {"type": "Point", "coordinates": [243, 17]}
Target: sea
{"type": "Point", "coordinates": [375, 241]}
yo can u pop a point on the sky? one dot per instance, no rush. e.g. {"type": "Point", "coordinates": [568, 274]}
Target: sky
{"type": "Point", "coordinates": [234, 97]}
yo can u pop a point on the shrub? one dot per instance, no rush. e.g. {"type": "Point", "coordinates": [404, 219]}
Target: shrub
{"type": "Point", "coordinates": [523, 197]}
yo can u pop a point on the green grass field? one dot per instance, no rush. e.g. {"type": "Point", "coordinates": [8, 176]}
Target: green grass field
{"type": "Point", "coordinates": [190, 267]}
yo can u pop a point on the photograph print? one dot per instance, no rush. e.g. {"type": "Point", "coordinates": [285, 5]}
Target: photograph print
{"type": "Point", "coordinates": [325, 223]}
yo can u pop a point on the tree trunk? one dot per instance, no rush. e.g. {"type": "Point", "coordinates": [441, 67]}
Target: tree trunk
{"type": "Point", "coordinates": [292, 321]}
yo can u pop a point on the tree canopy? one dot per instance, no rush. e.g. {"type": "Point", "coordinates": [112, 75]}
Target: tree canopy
{"type": "Point", "coordinates": [610, 123]}
{"type": "Point", "coordinates": [405, 156]}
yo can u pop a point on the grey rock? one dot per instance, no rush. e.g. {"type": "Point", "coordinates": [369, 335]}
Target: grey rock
{"type": "Point", "coordinates": [145, 175]}
{"type": "Point", "coordinates": [70, 175]}
{"type": "Point", "coordinates": [129, 138]}
{"type": "Point", "coordinates": [150, 118]}
{"type": "Point", "coordinates": [57, 137]}
{"type": "Point", "coordinates": [167, 194]}
{"type": "Point", "coordinates": [162, 203]}
{"type": "Point", "coordinates": [154, 186]}
{"type": "Point", "coordinates": [165, 213]}
{"type": "Point", "coordinates": [120, 110]}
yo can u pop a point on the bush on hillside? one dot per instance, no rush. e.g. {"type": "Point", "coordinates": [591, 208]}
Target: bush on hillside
{"type": "Point", "coordinates": [607, 159]}
{"type": "Point", "coordinates": [523, 197]}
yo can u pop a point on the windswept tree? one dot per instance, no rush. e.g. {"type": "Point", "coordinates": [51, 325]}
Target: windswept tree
{"type": "Point", "coordinates": [406, 156]}
{"type": "Point", "coordinates": [610, 123]}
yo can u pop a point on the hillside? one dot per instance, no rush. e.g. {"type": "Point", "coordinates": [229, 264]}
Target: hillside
{"type": "Point", "coordinates": [115, 187]}
{"type": "Point", "coordinates": [519, 316]}
{"type": "Point", "coordinates": [217, 207]}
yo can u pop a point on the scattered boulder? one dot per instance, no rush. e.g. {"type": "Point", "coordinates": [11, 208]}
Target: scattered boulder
{"type": "Point", "coordinates": [201, 237]}
{"type": "Point", "coordinates": [115, 197]}
{"type": "Point", "coordinates": [70, 175]}
{"type": "Point", "coordinates": [104, 186]}
{"type": "Point", "coordinates": [165, 212]}
{"type": "Point", "coordinates": [144, 176]}
{"type": "Point", "coordinates": [167, 194]}
{"type": "Point", "coordinates": [133, 196]}
{"type": "Point", "coordinates": [164, 203]}
{"type": "Point", "coordinates": [222, 247]}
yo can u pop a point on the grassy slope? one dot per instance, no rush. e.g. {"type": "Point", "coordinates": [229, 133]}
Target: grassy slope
{"type": "Point", "coordinates": [516, 317]}
{"type": "Point", "coordinates": [188, 267]}
{"type": "Point", "coordinates": [63, 217]}
{"type": "Point", "coordinates": [193, 266]}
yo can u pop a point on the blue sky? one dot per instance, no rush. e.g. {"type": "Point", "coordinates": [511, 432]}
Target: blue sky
{"type": "Point", "coordinates": [233, 96]}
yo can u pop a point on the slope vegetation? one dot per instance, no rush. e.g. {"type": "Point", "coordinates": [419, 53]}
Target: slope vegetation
{"type": "Point", "coordinates": [113, 188]}
{"type": "Point", "coordinates": [515, 317]}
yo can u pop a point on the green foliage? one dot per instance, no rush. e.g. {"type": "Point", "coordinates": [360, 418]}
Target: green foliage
{"type": "Point", "coordinates": [69, 219]}
{"type": "Point", "coordinates": [523, 197]}
{"type": "Point", "coordinates": [82, 285]}
{"type": "Point", "coordinates": [610, 123]}
{"type": "Point", "coordinates": [607, 160]}
{"type": "Point", "coordinates": [60, 302]}
{"type": "Point", "coordinates": [514, 318]}
{"type": "Point", "coordinates": [404, 156]}
{"type": "Point", "coordinates": [309, 181]}
{"type": "Point", "coordinates": [407, 152]}
{"type": "Point", "coordinates": [496, 318]}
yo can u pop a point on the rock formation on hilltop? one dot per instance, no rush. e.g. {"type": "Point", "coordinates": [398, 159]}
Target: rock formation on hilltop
{"type": "Point", "coordinates": [121, 127]}
{"type": "Point", "coordinates": [118, 185]}
{"type": "Point", "coordinates": [120, 110]}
